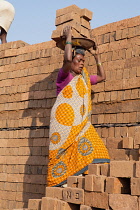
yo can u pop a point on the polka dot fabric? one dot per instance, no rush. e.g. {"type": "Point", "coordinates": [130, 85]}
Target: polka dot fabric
{"type": "Point", "coordinates": [74, 143]}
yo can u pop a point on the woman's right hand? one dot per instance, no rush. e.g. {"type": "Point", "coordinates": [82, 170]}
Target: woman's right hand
{"type": "Point", "coordinates": [67, 31]}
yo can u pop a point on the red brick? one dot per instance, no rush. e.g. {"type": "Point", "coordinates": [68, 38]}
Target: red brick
{"type": "Point", "coordinates": [94, 169]}
{"type": "Point", "coordinates": [118, 34]}
{"type": "Point", "coordinates": [127, 143]}
{"type": "Point", "coordinates": [67, 17]}
{"type": "Point", "coordinates": [12, 204]}
{"type": "Point", "coordinates": [48, 203]}
{"type": "Point", "coordinates": [117, 185]}
{"type": "Point", "coordinates": [58, 193]}
{"type": "Point", "coordinates": [125, 118]}
{"type": "Point", "coordinates": [104, 57]}
{"type": "Point", "coordinates": [132, 62]}
{"type": "Point", "coordinates": [138, 71]}
{"type": "Point", "coordinates": [126, 73]}
{"type": "Point", "coordinates": [139, 203]}
{"type": "Point", "coordinates": [62, 205]}
{"type": "Point", "coordinates": [133, 21]}
{"type": "Point", "coordinates": [11, 196]}
{"type": "Point", "coordinates": [81, 182]}
{"type": "Point", "coordinates": [112, 36]}
{"type": "Point", "coordinates": [98, 200]}
{"type": "Point", "coordinates": [135, 186]}
{"type": "Point", "coordinates": [72, 8]}
{"type": "Point", "coordinates": [134, 93]}
{"type": "Point", "coordinates": [119, 118]}
{"type": "Point", "coordinates": [98, 88]}
{"type": "Point", "coordinates": [109, 55]}
{"type": "Point", "coordinates": [20, 205]}
{"type": "Point", "coordinates": [134, 154]}
{"type": "Point", "coordinates": [85, 32]}
{"type": "Point", "coordinates": [105, 169]}
{"type": "Point", "coordinates": [127, 94]}
{"type": "Point", "coordinates": [83, 207]}
{"type": "Point", "coordinates": [128, 53]}
{"type": "Point", "coordinates": [107, 96]}
{"type": "Point", "coordinates": [104, 132]}
{"type": "Point", "coordinates": [131, 131]}
{"type": "Point", "coordinates": [120, 201]}
{"type": "Point", "coordinates": [136, 136]}
{"type": "Point", "coordinates": [113, 85]}
{"type": "Point", "coordinates": [115, 55]}
{"type": "Point", "coordinates": [124, 131]}
{"type": "Point", "coordinates": [138, 169]}
{"type": "Point", "coordinates": [87, 14]}
{"type": "Point", "coordinates": [135, 51]}
{"type": "Point", "coordinates": [21, 209]}
{"type": "Point", "coordinates": [101, 97]}
{"type": "Point", "coordinates": [73, 195]}
{"type": "Point", "coordinates": [119, 74]}
{"type": "Point", "coordinates": [125, 33]}
{"type": "Point", "coordinates": [72, 23]}
{"type": "Point", "coordinates": [34, 204]}
{"type": "Point", "coordinates": [76, 33]}
{"type": "Point", "coordinates": [117, 131]}
{"type": "Point", "coordinates": [56, 35]}
{"type": "Point", "coordinates": [72, 181]}
{"type": "Point", "coordinates": [107, 120]}
{"type": "Point", "coordinates": [113, 118]}
{"type": "Point", "coordinates": [94, 119]}
{"type": "Point", "coordinates": [114, 143]}
{"type": "Point", "coordinates": [122, 168]}
{"type": "Point", "coordinates": [94, 183]}
{"type": "Point", "coordinates": [137, 28]}
{"type": "Point", "coordinates": [3, 143]}
{"type": "Point", "coordinates": [85, 23]}
{"type": "Point", "coordinates": [132, 117]}
{"type": "Point", "coordinates": [100, 118]}
{"type": "Point", "coordinates": [106, 37]}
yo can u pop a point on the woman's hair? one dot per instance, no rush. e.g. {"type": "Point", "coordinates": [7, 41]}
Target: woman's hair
{"type": "Point", "coordinates": [78, 50]}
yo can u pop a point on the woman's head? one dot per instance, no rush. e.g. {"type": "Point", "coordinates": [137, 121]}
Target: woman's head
{"type": "Point", "coordinates": [78, 50]}
{"type": "Point", "coordinates": [78, 60]}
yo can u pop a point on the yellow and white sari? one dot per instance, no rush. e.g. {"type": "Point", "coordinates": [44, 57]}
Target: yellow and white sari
{"type": "Point", "coordinates": [74, 142]}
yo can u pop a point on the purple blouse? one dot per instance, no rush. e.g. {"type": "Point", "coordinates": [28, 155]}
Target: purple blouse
{"type": "Point", "coordinates": [64, 78]}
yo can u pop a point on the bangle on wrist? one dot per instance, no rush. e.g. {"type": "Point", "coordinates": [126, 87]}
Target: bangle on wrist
{"type": "Point", "coordinates": [99, 64]}
{"type": "Point", "coordinates": [68, 42]}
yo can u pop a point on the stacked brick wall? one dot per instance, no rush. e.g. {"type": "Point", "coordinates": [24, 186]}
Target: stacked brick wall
{"type": "Point", "coordinates": [116, 104]}
{"type": "Point", "coordinates": [28, 91]}
{"type": "Point", "coordinates": [106, 187]}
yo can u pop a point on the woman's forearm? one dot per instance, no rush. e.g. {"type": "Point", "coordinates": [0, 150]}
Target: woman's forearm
{"type": "Point", "coordinates": [68, 49]}
{"type": "Point", "coordinates": [101, 76]}
{"type": "Point", "coordinates": [100, 70]}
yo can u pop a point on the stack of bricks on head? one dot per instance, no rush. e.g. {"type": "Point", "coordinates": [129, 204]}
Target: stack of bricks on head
{"type": "Point", "coordinates": [78, 19]}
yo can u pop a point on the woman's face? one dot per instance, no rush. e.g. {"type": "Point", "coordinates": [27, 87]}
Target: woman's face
{"type": "Point", "coordinates": [77, 64]}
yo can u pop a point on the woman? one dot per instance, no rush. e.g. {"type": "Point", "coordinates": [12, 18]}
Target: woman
{"type": "Point", "coordinates": [7, 13]}
{"type": "Point", "coordinates": [74, 143]}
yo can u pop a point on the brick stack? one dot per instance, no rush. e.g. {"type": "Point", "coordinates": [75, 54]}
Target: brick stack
{"type": "Point", "coordinates": [27, 93]}
{"type": "Point", "coordinates": [116, 109]}
{"type": "Point", "coordinates": [78, 19]}
{"type": "Point", "coordinates": [115, 186]}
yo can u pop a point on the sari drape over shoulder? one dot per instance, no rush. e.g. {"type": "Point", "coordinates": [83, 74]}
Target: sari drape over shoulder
{"type": "Point", "coordinates": [74, 142]}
